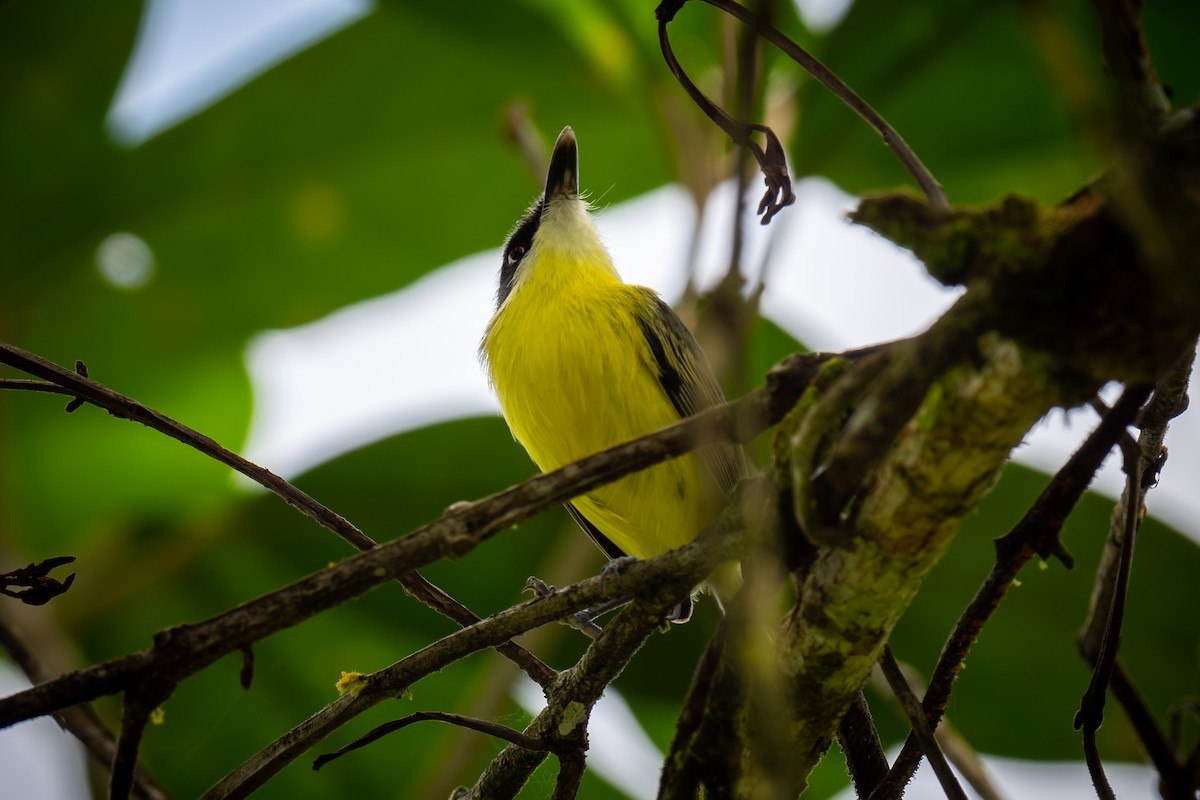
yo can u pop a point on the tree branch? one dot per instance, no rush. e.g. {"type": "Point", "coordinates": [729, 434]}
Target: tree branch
{"type": "Point", "coordinates": [81, 721]}
{"type": "Point", "coordinates": [183, 650]}
{"type": "Point", "coordinates": [37, 587]}
{"type": "Point", "coordinates": [573, 695]}
{"type": "Point", "coordinates": [933, 190]}
{"type": "Point", "coordinates": [1100, 636]}
{"type": "Point", "coordinates": [138, 709]}
{"type": "Point", "coordinates": [860, 744]}
{"type": "Point", "coordinates": [1035, 534]}
{"type": "Point", "coordinates": [657, 575]}
{"type": "Point", "coordinates": [932, 476]}
{"type": "Point", "coordinates": [771, 160]}
{"type": "Point", "coordinates": [188, 648]}
{"type": "Point", "coordinates": [571, 698]}
{"type": "Point", "coordinates": [78, 384]}
{"type": "Point", "coordinates": [911, 704]}
{"type": "Point", "coordinates": [481, 725]}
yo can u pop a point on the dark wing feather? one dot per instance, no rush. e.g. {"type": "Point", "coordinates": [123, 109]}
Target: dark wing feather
{"type": "Point", "coordinates": [602, 541]}
{"type": "Point", "coordinates": [679, 614]}
{"type": "Point", "coordinates": [688, 380]}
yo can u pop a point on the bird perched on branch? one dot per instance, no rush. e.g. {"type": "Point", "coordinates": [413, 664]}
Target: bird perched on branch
{"type": "Point", "coordinates": [581, 361]}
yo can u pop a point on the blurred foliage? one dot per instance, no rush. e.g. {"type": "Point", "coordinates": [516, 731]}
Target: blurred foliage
{"type": "Point", "coordinates": [361, 164]}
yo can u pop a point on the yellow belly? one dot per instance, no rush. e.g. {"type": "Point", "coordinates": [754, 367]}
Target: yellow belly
{"type": "Point", "coordinates": [574, 375]}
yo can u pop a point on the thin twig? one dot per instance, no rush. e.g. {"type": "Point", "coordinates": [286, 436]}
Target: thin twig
{"type": "Point", "coordinates": [933, 190]}
{"type": "Point", "coordinates": [745, 72]}
{"type": "Point", "coordinates": [959, 752]}
{"type": "Point", "coordinates": [1091, 709]}
{"type": "Point", "coordinates": [81, 721]}
{"type": "Point", "coordinates": [687, 566]}
{"type": "Point", "coordinates": [571, 699]}
{"type": "Point", "coordinates": [137, 711]}
{"type": "Point", "coordinates": [1091, 755]}
{"type": "Point", "coordinates": [77, 384]}
{"type": "Point", "coordinates": [37, 587]}
{"type": "Point", "coordinates": [24, 384]}
{"type": "Point", "coordinates": [528, 141]}
{"type": "Point", "coordinates": [771, 160]}
{"type": "Point", "coordinates": [189, 648]}
{"type": "Point", "coordinates": [1097, 641]}
{"type": "Point", "coordinates": [394, 680]}
{"type": "Point", "coordinates": [481, 725]}
{"type": "Point", "coordinates": [920, 725]}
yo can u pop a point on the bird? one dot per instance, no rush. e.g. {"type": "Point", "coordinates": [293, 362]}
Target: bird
{"type": "Point", "coordinates": [580, 361]}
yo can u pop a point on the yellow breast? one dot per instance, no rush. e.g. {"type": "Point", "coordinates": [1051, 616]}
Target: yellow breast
{"type": "Point", "coordinates": [574, 375]}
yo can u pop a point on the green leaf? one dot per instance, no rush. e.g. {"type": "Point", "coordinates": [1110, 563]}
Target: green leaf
{"type": "Point", "coordinates": [967, 88]}
{"type": "Point", "coordinates": [348, 171]}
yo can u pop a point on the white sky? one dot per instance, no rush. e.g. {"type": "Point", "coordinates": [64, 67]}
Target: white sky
{"type": "Point", "coordinates": [831, 285]}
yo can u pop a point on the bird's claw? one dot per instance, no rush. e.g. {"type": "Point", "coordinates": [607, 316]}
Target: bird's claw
{"type": "Point", "coordinates": [613, 569]}
{"type": "Point", "coordinates": [537, 587]}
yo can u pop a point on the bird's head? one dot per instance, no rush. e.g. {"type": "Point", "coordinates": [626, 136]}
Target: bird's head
{"type": "Point", "coordinates": [557, 228]}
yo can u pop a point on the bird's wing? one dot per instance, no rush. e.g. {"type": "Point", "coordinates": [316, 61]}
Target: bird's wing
{"type": "Point", "coordinates": [679, 614]}
{"type": "Point", "coordinates": [688, 381]}
{"type": "Point", "coordinates": [602, 541]}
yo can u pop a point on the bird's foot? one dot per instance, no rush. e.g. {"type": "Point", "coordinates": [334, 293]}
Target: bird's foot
{"type": "Point", "coordinates": [537, 587]}
{"type": "Point", "coordinates": [582, 621]}
{"type": "Point", "coordinates": [613, 569]}
{"type": "Point", "coordinates": [678, 615]}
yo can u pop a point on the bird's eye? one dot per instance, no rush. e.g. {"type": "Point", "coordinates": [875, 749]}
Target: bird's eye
{"type": "Point", "coordinates": [515, 255]}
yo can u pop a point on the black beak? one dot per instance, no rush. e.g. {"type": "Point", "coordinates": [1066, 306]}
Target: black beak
{"type": "Point", "coordinates": [562, 178]}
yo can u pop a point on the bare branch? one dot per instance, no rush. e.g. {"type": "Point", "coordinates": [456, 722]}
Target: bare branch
{"type": "Point", "coordinates": [23, 384]}
{"type": "Point", "coordinates": [137, 711]}
{"type": "Point", "coordinates": [920, 725]}
{"type": "Point", "coordinates": [860, 744]}
{"type": "Point", "coordinates": [570, 775]}
{"type": "Point", "coordinates": [81, 721]}
{"type": "Point", "coordinates": [1036, 533]}
{"type": "Point", "coordinates": [78, 384]}
{"type": "Point", "coordinates": [933, 190]}
{"type": "Point", "coordinates": [570, 700]}
{"type": "Point", "coordinates": [481, 725]}
{"type": "Point", "coordinates": [186, 649]}
{"type": "Point", "coordinates": [655, 575]}
{"type": "Point", "coordinates": [1100, 636]}
{"type": "Point", "coordinates": [771, 160]}
{"type": "Point", "coordinates": [1091, 709]}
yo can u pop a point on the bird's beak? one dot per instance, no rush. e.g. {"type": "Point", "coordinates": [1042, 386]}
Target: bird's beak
{"type": "Point", "coordinates": [562, 178]}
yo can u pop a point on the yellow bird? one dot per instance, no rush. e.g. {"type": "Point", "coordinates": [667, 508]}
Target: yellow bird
{"type": "Point", "coordinates": [581, 361]}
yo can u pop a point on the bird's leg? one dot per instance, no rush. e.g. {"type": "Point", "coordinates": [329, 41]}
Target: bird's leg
{"type": "Point", "coordinates": [613, 568]}
{"type": "Point", "coordinates": [582, 621]}
{"type": "Point", "coordinates": [585, 620]}
{"type": "Point", "coordinates": [680, 614]}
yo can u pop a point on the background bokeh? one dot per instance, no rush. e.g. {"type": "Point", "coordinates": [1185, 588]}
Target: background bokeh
{"type": "Point", "coordinates": [360, 165]}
